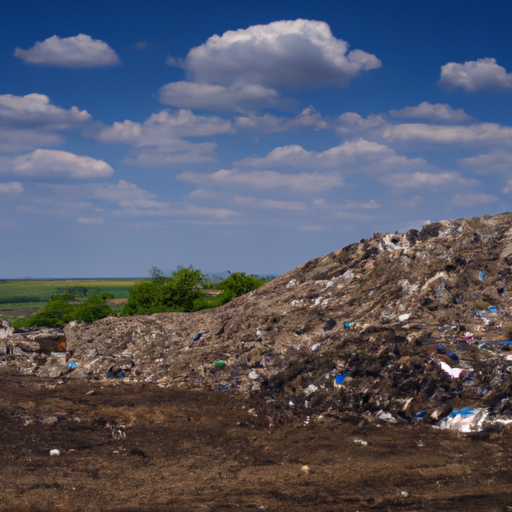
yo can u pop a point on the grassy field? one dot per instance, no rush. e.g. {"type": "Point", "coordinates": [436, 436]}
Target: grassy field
{"type": "Point", "coordinates": [34, 294]}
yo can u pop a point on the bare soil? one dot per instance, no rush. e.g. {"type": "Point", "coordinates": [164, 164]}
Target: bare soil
{"type": "Point", "coordinates": [137, 447]}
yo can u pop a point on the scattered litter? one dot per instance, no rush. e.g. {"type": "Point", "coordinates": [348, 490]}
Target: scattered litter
{"type": "Point", "coordinates": [493, 309]}
{"type": "Point", "coordinates": [316, 346]}
{"type": "Point", "coordinates": [253, 375]}
{"type": "Point", "coordinates": [339, 379]}
{"type": "Point", "coordinates": [347, 325]}
{"type": "Point", "coordinates": [454, 373]}
{"type": "Point", "coordinates": [55, 453]}
{"type": "Point", "coordinates": [310, 389]}
{"type": "Point", "coordinates": [482, 275]}
{"type": "Point", "coordinates": [385, 416]}
{"type": "Point", "coordinates": [72, 364]}
{"type": "Point", "coordinates": [91, 392]}
{"type": "Point", "coordinates": [305, 469]}
{"type": "Point", "coordinates": [404, 317]}
{"type": "Point", "coordinates": [469, 419]}
{"type": "Point", "coordinates": [220, 364]}
{"type": "Point", "coordinates": [361, 442]}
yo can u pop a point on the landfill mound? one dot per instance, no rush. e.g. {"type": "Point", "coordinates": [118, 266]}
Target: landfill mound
{"type": "Point", "coordinates": [398, 327]}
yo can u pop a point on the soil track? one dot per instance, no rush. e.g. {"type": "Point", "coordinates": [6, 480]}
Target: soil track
{"type": "Point", "coordinates": [131, 447]}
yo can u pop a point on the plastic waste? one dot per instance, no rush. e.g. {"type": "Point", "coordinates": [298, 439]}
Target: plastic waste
{"type": "Point", "coordinates": [385, 416]}
{"type": "Point", "coordinates": [197, 336]}
{"type": "Point", "coordinates": [454, 373]}
{"type": "Point", "coordinates": [253, 375]}
{"type": "Point", "coordinates": [72, 364]}
{"type": "Point", "coordinates": [469, 419]}
{"type": "Point", "coordinates": [441, 348]}
{"type": "Point", "coordinates": [420, 415]}
{"type": "Point", "coordinates": [316, 346]}
{"type": "Point", "coordinates": [361, 442]}
{"type": "Point", "coordinates": [452, 355]}
{"type": "Point", "coordinates": [338, 380]}
{"type": "Point", "coordinates": [482, 275]}
{"type": "Point", "coordinates": [222, 388]}
{"type": "Point", "coordinates": [347, 325]}
{"type": "Point", "coordinates": [54, 452]}
{"type": "Point", "coordinates": [404, 317]}
{"type": "Point", "coordinates": [310, 389]}
{"type": "Point", "coordinates": [493, 309]}
{"type": "Point", "coordinates": [220, 364]}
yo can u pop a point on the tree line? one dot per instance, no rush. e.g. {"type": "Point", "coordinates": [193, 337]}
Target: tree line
{"type": "Point", "coordinates": [183, 291]}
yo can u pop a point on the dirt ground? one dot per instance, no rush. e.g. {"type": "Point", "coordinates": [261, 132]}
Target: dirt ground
{"type": "Point", "coordinates": [130, 447]}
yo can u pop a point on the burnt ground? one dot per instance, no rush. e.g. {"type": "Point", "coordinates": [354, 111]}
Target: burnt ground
{"type": "Point", "coordinates": [130, 446]}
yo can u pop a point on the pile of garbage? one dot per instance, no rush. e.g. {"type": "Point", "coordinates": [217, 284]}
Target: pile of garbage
{"type": "Point", "coordinates": [401, 327]}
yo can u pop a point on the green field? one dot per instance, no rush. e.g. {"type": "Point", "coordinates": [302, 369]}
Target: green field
{"type": "Point", "coordinates": [34, 294]}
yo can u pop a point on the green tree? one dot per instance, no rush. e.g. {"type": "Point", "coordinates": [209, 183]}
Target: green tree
{"type": "Point", "coordinates": [145, 298]}
{"type": "Point", "coordinates": [55, 313]}
{"type": "Point", "coordinates": [92, 309]}
{"type": "Point", "coordinates": [183, 287]}
{"type": "Point", "coordinates": [239, 283]}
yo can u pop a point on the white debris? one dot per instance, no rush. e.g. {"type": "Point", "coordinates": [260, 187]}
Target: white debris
{"type": "Point", "coordinates": [253, 375]}
{"type": "Point", "coordinates": [404, 317]}
{"type": "Point", "coordinates": [454, 373]}
{"type": "Point", "coordinates": [466, 420]}
{"type": "Point", "coordinates": [316, 346]}
{"type": "Point", "coordinates": [292, 284]}
{"type": "Point", "coordinates": [310, 389]}
{"type": "Point", "coordinates": [55, 452]}
{"type": "Point", "coordinates": [385, 416]}
{"type": "Point", "coordinates": [361, 442]}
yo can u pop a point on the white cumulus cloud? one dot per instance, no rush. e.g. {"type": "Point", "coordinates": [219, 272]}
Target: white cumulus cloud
{"type": "Point", "coordinates": [35, 110]}
{"type": "Point", "coordinates": [433, 112]}
{"type": "Point", "coordinates": [475, 75]}
{"type": "Point", "coordinates": [44, 162]}
{"type": "Point", "coordinates": [350, 156]}
{"type": "Point", "coordinates": [287, 54]}
{"type": "Point", "coordinates": [233, 98]}
{"type": "Point", "coordinates": [79, 51]}
{"type": "Point", "coordinates": [267, 123]}
{"type": "Point", "coordinates": [158, 141]}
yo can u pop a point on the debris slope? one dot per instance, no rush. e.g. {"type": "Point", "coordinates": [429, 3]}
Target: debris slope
{"type": "Point", "coordinates": [398, 326]}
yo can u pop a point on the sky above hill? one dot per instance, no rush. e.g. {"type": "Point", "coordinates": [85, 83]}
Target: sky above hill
{"type": "Point", "coordinates": [248, 136]}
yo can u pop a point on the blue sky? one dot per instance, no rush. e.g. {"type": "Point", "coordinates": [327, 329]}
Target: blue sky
{"type": "Point", "coordinates": [240, 135]}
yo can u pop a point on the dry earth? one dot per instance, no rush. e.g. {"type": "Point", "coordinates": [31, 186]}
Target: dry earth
{"type": "Point", "coordinates": [134, 447]}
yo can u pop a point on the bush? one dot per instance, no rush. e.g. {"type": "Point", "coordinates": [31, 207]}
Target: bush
{"type": "Point", "coordinates": [92, 309]}
{"type": "Point", "coordinates": [240, 284]}
{"type": "Point", "coordinates": [61, 310]}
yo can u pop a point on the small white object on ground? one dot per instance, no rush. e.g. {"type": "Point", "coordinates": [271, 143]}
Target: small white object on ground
{"type": "Point", "coordinates": [54, 453]}
{"type": "Point", "coordinates": [454, 373]}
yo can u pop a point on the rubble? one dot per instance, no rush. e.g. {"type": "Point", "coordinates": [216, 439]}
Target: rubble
{"type": "Point", "coordinates": [405, 295]}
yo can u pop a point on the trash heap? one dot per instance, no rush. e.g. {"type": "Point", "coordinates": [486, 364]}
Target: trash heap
{"type": "Point", "coordinates": [399, 326]}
